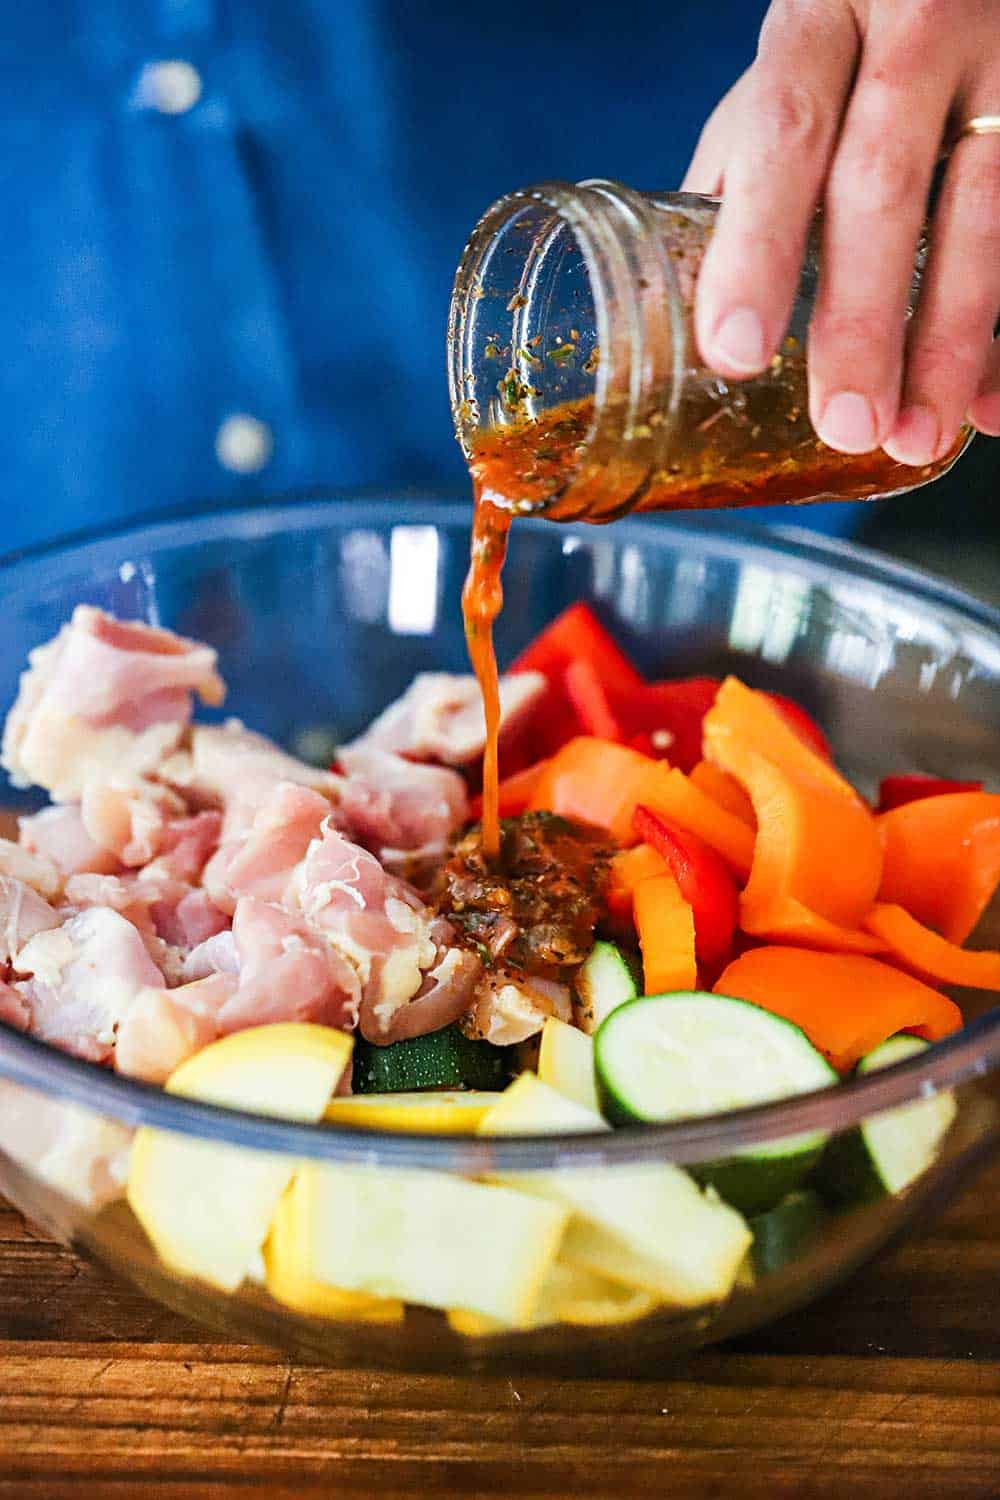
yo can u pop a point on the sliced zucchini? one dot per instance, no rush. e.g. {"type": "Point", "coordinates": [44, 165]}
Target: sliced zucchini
{"type": "Point", "coordinates": [667, 1057]}
{"type": "Point", "coordinates": [647, 1227]}
{"type": "Point", "coordinates": [886, 1153]}
{"type": "Point", "coordinates": [785, 1232]}
{"type": "Point", "coordinates": [566, 1062]}
{"type": "Point", "coordinates": [445, 1059]}
{"type": "Point", "coordinates": [569, 1294]}
{"type": "Point", "coordinates": [604, 982]}
{"type": "Point", "coordinates": [423, 1112]}
{"type": "Point", "coordinates": [425, 1237]}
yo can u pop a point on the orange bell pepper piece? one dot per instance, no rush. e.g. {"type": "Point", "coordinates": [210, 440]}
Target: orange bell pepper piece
{"type": "Point", "coordinates": [817, 842]}
{"type": "Point", "coordinates": [815, 845]}
{"type": "Point", "coordinates": [786, 920]}
{"type": "Point", "coordinates": [591, 780]}
{"type": "Point", "coordinates": [751, 720]}
{"type": "Point", "coordinates": [631, 866]}
{"type": "Point", "coordinates": [665, 924]}
{"type": "Point", "coordinates": [667, 791]}
{"type": "Point", "coordinates": [705, 882]}
{"type": "Point", "coordinates": [628, 869]}
{"type": "Point", "coordinates": [725, 790]}
{"type": "Point", "coordinates": [516, 791]}
{"type": "Point", "coordinates": [846, 1003]}
{"type": "Point", "coordinates": [942, 859]}
{"type": "Point", "coordinates": [929, 955]}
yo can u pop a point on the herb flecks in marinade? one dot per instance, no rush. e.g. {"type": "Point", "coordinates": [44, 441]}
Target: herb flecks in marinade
{"type": "Point", "coordinates": [535, 907]}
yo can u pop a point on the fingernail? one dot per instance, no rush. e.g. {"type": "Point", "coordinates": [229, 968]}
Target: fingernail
{"type": "Point", "coordinates": [848, 423]}
{"type": "Point", "coordinates": [916, 436]}
{"type": "Point", "coordinates": [739, 341]}
{"type": "Point", "coordinates": [984, 414]}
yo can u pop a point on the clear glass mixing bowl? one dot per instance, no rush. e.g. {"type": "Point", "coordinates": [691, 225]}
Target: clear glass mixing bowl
{"type": "Point", "coordinates": [322, 612]}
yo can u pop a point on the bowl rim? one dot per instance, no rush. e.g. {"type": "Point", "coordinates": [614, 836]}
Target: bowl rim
{"type": "Point", "coordinates": [970, 1053]}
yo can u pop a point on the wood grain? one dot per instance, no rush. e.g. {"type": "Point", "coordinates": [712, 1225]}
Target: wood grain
{"type": "Point", "coordinates": [891, 1387]}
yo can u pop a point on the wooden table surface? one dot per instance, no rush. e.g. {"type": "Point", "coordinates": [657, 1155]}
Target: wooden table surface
{"type": "Point", "coordinates": [890, 1386]}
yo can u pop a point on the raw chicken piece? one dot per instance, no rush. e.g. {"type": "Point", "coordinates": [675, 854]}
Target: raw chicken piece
{"type": "Point", "coordinates": [216, 955]}
{"type": "Point", "coordinates": [36, 870]}
{"type": "Point", "coordinates": [163, 1028]}
{"type": "Point", "coordinates": [511, 1008]}
{"type": "Point", "coordinates": [188, 922]}
{"type": "Point", "coordinates": [120, 893]}
{"type": "Point", "coordinates": [83, 977]}
{"type": "Point", "coordinates": [399, 949]}
{"type": "Point", "coordinates": [23, 913]}
{"type": "Point", "coordinates": [272, 968]}
{"type": "Point", "coordinates": [129, 817]}
{"type": "Point", "coordinates": [391, 804]}
{"type": "Point", "coordinates": [82, 1155]}
{"type": "Point", "coordinates": [58, 834]}
{"type": "Point", "coordinates": [260, 861]}
{"type": "Point", "coordinates": [185, 847]}
{"type": "Point", "coordinates": [105, 697]}
{"type": "Point", "coordinates": [288, 972]}
{"type": "Point", "coordinates": [440, 717]}
{"type": "Point", "coordinates": [231, 767]}
{"type": "Point", "coordinates": [13, 1008]}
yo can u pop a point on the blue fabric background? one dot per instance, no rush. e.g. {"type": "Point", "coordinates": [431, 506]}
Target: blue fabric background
{"type": "Point", "coordinates": [286, 247]}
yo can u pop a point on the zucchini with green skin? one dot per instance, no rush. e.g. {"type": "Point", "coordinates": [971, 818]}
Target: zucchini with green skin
{"type": "Point", "coordinates": [669, 1057]}
{"type": "Point", "coordinates": [886, 1153]}
{"type": "Point", "coordinates": [604, 981]}
{"type": "Point", "coordinates": [445, 1059]}
{"type": "Point", "coordinates": [785, 1232]}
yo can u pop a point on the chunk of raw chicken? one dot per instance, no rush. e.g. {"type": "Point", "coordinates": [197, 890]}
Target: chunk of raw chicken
{"type": "Point", "coordinates": [287, 972]}
{"type": "Point", "coordinates": [259, 861]}
{"type": "Point", "coordinates": [230, 767]}
{"type": "Point", "coordinates": [128, 816]}
{"type": "Point", "coordinates": [171, 916]}
{"type": "Point", "coordinates": [393, 806]}
{"type": "Point", "coordinates": [440, 717]}
{"type": "Point", "coordinates": [81, 978]}
{"type": "Point", "coordinates": [23, 913]}
{"type": "Point", "coordinates": [83, 1155]}
{"type": "Point", "coordinates": [510, 1008]}
{"type": "Point", "coordinates": [216, 955]}
{"type": "Point", "coordinates": [163, 1028]}
{"type": "Point", "coordinates": [105, 697]}
{"type": "Point", "coordinates": [36, 870]}
{"type": "Point", "coordinates": [272, 967]}
{"type": "Point", "coordinates": [58, 834]}
{"type": "Point", "coordinates": [413, 979]}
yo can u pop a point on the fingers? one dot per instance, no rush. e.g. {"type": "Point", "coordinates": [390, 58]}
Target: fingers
{"type": "Point", "coordinates": [952, 334]}
{"type": "Point", "coordinates": [984, 409]}
{"type": "Point", "coordinates": [788, 120]}
{"type": "Point", "coordinates": [875, 202]}
{"type": "Point", "coordinates": [707, 168]}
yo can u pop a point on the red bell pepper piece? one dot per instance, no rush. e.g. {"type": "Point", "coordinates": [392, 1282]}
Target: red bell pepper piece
{"type": "Point", "coordinates": [897, 790]}
{"type": "Point", "coordinates": [804, 724]}
{"type": "Point", "coordinates": [664, 719]}
{"type": "Point", "coordinates": [704, 881]}
{"type": "Point", "coordinates": [591, 700]}
{"type": "Point", "coordinates": [574, 635]}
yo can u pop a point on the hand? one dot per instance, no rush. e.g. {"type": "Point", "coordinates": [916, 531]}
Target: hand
{"type": "Point", "coordinates": [847, 105]}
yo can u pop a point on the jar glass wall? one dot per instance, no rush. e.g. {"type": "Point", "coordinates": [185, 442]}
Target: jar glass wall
{"type": "Point", "coordinates": [576, 383]}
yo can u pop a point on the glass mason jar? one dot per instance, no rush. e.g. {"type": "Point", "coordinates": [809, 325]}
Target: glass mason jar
{"type": "Point", "coordinates": [576, 384]}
